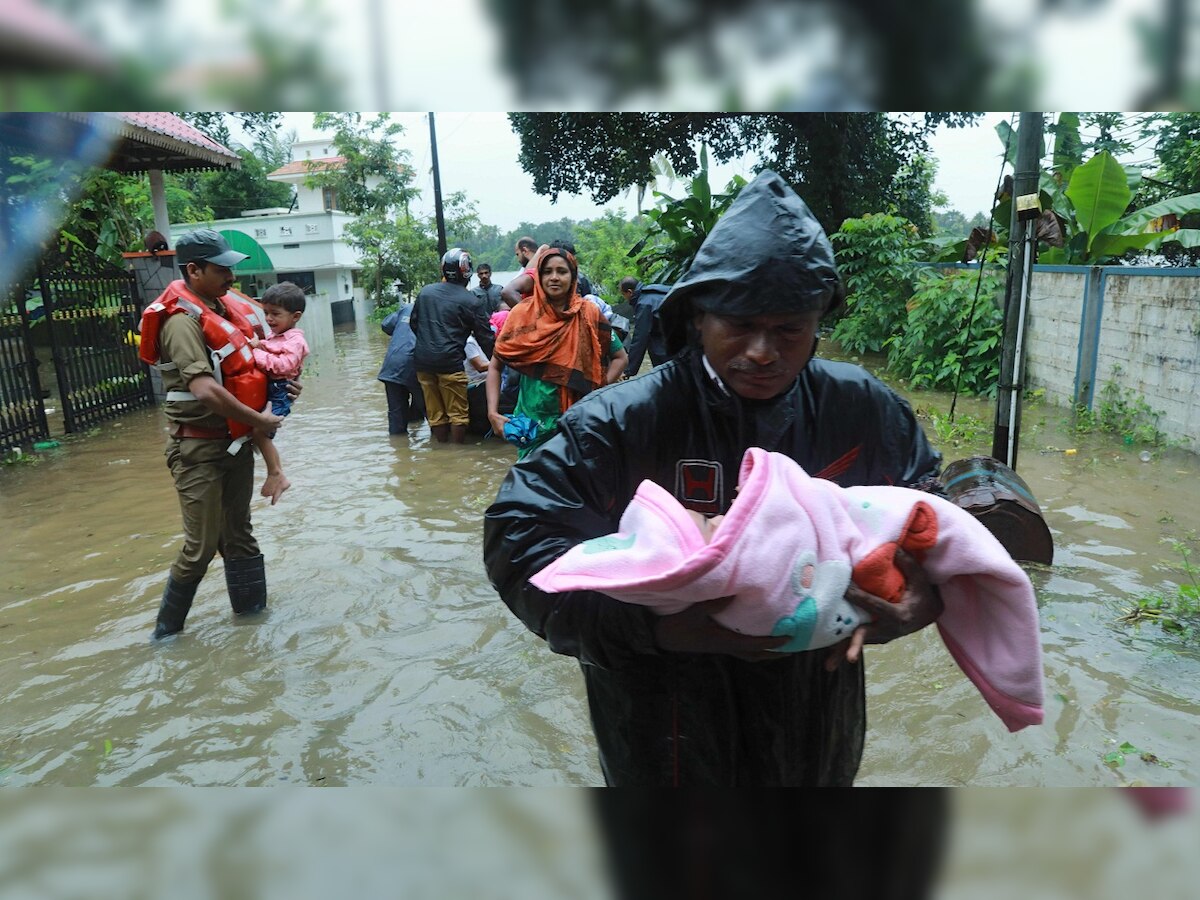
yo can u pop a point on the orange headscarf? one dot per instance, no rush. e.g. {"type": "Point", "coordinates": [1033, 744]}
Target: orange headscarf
{"type": "Point", "coordinates": [568, 347]}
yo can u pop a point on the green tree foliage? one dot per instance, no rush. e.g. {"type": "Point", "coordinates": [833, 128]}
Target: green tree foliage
{"type": "Point", "coordinates": [875, 256]}
{"type": "Point", "coordinates": [947, 337]}
{"type": "Point", "coordinates": [404, 249]}
{"type": "Point", "coordinates": [843, 164]}
{"type": "Point", "coordinates": [916, 197]}
{"type": "Point", "coordinates": [935, 332]}
{"type": "Point", "coordinates": [953, 224]}
{"type": "Point", "coordinates": [603, 246]}
{"type": "Point", "coordinates": [262, 127]}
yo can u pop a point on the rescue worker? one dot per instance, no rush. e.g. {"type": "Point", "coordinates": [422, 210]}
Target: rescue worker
{"type": "Point", "coordinates": [679, 700]}
{"type": "Point", "coordinates": [195, 323]}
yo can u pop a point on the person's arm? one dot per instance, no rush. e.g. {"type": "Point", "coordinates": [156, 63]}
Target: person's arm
{"type": "Point", "coordinates": [388, 325]}
{"type": "Point", "coordinates": [511, 293]}
{"type": "Point", "coordinates": [206, 389]}
{"type": "Point", "coordinates": [555, 498]}
{"type": "Point", "coordinates": [481, 328]}
{"type": "Point", "coordinates": [616, 368]}
{"type": "Point", "coordinates": [492, 391]}
{"type": "Point", "coordinates": [414, 317]}
{"type": "Point", "coordinates": [479, 363]}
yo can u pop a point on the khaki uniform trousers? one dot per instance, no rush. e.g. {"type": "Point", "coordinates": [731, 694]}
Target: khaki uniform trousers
{"type": "Point", "coordinates": [445, 397]}
{"type": "Point", "coordinates": [214, 489]}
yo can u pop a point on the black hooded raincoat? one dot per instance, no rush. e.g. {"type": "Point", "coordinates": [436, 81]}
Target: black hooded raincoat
{"type": "Point", "coordinates": [664, 718]}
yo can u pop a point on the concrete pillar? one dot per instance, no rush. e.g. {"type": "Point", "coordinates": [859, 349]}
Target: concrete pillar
{"type": "Point", "coordinates": [158, 197]}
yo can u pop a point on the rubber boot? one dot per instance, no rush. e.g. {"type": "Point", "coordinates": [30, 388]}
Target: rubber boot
{"type": "Point", "coordinates": [176, 602]}
{"type": "Point", "coordinates": [247, 583]}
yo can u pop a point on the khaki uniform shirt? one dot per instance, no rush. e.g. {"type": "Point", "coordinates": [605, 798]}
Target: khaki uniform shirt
{"type": "Point", "coordinates": [181, 341]}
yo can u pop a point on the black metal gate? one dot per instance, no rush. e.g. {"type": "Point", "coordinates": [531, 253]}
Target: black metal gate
{"type": "Point", "coordinates": [22, 415]}
{"type": "Point", "coordinates": [93, 317]}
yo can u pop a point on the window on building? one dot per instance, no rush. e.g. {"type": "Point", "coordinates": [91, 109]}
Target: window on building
{"type": "Point", "coordinates": [285, 230]}
{"type": "Point", "coordinates": [260, 232]}
{"type": "Point", "coordinates": [329, 196]}
{"type": "Point", "coordinates": [312, 228]}
{"type": "Point", "coordinates": [356, 277]}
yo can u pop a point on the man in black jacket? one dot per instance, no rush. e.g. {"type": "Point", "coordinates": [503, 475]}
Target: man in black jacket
{"type": "Point", "coordinates": [679, 700]}
{"type": "Point", "coordinates": [647, 329]}
{"type": "Point", "coordinates": [444, 315]}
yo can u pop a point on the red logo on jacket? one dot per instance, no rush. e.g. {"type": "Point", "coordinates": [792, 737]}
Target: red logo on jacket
{"type": "Point", "coordinates": [698, 485]}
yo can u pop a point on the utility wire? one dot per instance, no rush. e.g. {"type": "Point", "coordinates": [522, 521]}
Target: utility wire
{"type": "Point", "coordinates": [982, 265]}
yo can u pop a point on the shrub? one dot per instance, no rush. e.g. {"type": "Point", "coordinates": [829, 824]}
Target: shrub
{"type": "Point", "coordinates": [875, 255]}
{"type": "Point", "coordinates": [949, 339]}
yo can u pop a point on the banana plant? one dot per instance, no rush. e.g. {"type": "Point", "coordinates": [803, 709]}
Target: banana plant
{"type": "Point", "coordinates": [679, 226]}
{"type": "Point", "coordinates": [1085, 218]}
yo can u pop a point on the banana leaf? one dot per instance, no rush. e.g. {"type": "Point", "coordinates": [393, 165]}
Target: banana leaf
{"type": "Point", "coordinates": [1139, 219]}
{"type": "Point", "coordinates": [1099, 192]}
{"type": "Point", "coordinates": [1105, 245]}
{"type": "Point", "coordinates": [1185, 237]}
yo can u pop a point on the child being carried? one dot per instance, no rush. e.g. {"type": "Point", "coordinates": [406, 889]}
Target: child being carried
{"type": "Point", "coordinates": [281, 356]}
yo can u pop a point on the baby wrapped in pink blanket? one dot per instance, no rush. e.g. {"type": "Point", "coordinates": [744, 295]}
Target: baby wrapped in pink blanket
{"type": "Point", "coordinates": [789, 547]}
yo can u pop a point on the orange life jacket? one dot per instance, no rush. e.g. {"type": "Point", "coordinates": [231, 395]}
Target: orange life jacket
{"type": "Point", "coordinates": [228, 341]}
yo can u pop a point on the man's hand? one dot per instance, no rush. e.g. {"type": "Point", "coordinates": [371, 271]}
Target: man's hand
{"type": "Point", "coordinates": [694, 631]}
{"type": "Point", "coordinates": [269, 421]}
{"type": "Point", "coordinates": [294, 387]}
{"type": "Point", "coordinates": [920, 605]}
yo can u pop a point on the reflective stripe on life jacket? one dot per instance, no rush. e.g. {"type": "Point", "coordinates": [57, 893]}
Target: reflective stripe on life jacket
{"type": "Point", "coordinates": [227, 339]}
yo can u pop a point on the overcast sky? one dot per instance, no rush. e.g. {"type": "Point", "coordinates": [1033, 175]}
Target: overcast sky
{"type": "Point", "coordinates": [478, 153]}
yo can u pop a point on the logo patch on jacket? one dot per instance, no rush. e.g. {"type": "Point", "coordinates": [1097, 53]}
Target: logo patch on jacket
{"type": "Point", "coordinates": [698, 485]}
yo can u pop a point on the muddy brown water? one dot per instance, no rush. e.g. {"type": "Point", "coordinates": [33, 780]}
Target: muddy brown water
{"type": "Point", "coordinates": [386, 659]}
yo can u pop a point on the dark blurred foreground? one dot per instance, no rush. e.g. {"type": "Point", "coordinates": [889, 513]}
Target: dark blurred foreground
{"type": "Point", "coordinates": [559, 843]}
{"type": "Point", "coordinates": [617, 54]}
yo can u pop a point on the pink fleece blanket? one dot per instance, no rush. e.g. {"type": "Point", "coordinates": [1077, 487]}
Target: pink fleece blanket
{"type": "Point", "coordinates": [788, 549]}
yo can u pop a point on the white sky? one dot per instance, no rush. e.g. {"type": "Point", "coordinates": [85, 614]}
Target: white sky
{"type": "Point", "coordinates": [478, 152]}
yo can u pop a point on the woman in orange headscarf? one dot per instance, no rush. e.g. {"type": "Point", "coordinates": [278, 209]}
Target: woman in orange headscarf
{"type": "Point", "coordinates": [559, 343]}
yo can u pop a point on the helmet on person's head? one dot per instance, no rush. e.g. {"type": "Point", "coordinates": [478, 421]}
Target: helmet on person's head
{"type": "Point", "coordinates": [456, 266]}
{"type": "Point", "coordinates": [768, 254]}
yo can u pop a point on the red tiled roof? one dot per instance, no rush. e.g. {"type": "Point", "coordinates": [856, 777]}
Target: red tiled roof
{"type": "Point", "coordinates": [171, 126]}
{"type": "Point", "coordinates": [158, 140]}
{"type": "Point", "coordinates": [301, 166]}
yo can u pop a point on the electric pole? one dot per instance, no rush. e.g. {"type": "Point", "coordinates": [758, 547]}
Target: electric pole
{"type": "Point", "coordinates": [437, 190]}
{"type": "Point", "coordinates": [1022, 251]}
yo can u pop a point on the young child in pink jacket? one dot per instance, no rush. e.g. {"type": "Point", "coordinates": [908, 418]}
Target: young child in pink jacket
{"type": "Point", "coordinates": [281, 356]}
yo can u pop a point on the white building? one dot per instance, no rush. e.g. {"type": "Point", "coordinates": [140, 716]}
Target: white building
{"type": "Point", "coordinates": [303, 244]}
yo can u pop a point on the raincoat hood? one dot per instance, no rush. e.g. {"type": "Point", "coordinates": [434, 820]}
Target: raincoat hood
{"type": "Point", "coordinates": [768, 254]}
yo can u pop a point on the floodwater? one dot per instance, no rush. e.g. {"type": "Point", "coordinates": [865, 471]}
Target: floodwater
{"type": "Point", "coordinates": [385, 658]}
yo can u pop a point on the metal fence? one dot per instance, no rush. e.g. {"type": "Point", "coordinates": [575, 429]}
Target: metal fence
{"type": "Point", "coordinates": [22, 414]}
{"type": "Point", "coordinates": [92, 318]}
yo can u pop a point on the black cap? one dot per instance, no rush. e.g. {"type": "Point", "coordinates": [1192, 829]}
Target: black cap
{"type": "Point", "coordinates": [206, 245]}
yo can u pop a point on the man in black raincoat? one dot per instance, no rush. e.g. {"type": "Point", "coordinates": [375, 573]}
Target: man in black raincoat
{"type": "Point", "coordinates": [680, 700]}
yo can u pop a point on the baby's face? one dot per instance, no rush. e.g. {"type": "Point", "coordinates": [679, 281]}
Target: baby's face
{"type": "Point", "coordinates": [707, 526]}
